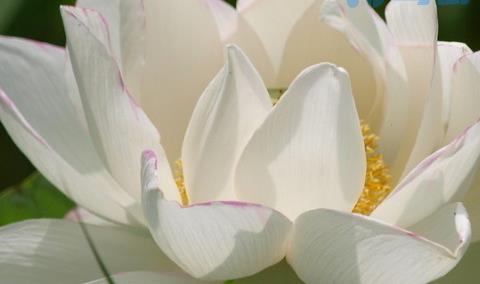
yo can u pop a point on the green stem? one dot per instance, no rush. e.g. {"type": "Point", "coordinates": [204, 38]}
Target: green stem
{"type": "Point", "coordinates": [100, 263]}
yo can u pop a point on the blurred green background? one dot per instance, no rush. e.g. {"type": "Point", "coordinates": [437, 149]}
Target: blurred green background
{"type": "Point", "coordinates": [25, 194]}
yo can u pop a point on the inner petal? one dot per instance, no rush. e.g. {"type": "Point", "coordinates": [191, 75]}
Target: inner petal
{"type": "Point", "coordinates": [309, 152]}
{"type": "Point", "coordinates": [275, 95]}
{"type": "Point", "coordinates": [378, 181]}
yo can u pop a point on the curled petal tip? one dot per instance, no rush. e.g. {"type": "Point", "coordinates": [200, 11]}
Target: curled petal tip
{"type": "Point", "coordinates": [149, 155]}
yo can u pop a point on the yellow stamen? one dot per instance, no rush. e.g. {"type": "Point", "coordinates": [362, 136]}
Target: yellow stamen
{"type": "Point", "coordinates": [180, 181]}
{"type": "Point", "coordinates": [377, 179]}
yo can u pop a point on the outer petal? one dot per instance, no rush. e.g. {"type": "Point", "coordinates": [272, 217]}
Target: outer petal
{"type": "Point", "coordinates": [126, 22]}
{"type": "Point", "coordinates": [178, 67]}
{"type": "Point", "coordinates": [118, 126]}
{"type": "Point", "coordinates": [411, 23]}
{"type": "Point", "coordinates": [148, 277]}
{"type": "Point", "coordinates": [132, 43]}
{"type": "Point", "coordinates": [415, 29]}
{"type": "Point", "coordinates": [47, 123]}
{"type": "Point", "coordinates": [214, 241]}
{"type": "Point", "coordinates": [465, 97]}
{"type": "Point", "coordinates": [227, 114]}
{"type": "Point", "coordinates": [449, 51]}
{"type": "Point", "coordinates": [336, 247]}
{"type": "Point", "coordinates": [433, 125]}
{"type": "Point", "coordinates": [299, 158]}
{"type": "Point", "coordinates": [56, 251]}
{"type": "Point", "coordinates": [383, 108]}
{"type": "Point", "coordinates": [110, 15]}
{"type": "Point", "coordinates": [443, 177]}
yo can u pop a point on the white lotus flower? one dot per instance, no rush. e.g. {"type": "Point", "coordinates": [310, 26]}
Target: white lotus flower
{"type": "Point", "coordinates": [259, 183]}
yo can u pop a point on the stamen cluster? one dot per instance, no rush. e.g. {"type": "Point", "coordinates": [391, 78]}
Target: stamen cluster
{"type": "Point", "coordinates": [377, 178]}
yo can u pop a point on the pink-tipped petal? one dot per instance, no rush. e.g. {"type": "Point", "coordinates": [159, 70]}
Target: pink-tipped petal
{"type": "Point", "coordinates": [465, 96]}
{"type": "Point", "coordinates": [118, 126]}
{"type": "Point", "coordinates": [47, 123]}
{"type": "Point", "coordinates": [415, 28]}
{"type": "Point", "coordinates": [331, 246]}
{"type": "Point", "coordinates": [443, 177]}
{"type": "Point", "coordinates": [213, 241]}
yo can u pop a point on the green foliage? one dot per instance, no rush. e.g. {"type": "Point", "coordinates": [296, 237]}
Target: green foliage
{"type": "Point", "coordinates": [39, 20]}
{"type": "Point", "coordinates": [8, 9]}
{"type": "Point", "coordinates": [232, 2]}
{"type": "Point", "coordinates": [35, 197]}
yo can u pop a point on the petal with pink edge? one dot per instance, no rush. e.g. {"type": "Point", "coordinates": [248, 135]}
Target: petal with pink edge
{"type": "Point", "coordinates": [443, 177]}
{"type": "Point", "coordinates": [126, 23]}
{"type": "Point", "coordinates": [414, 28]}
{"type": "Point", "coordinates": [47, 123]}
{"type": "Point", "coordinates": [118, 126]}
{"type": "Point", "coordinates": [434, 121]}
{"type": "Point", "coordinates": [213, 241]}
{"type": "Point", "coordinates": [465, 97]}
{"type": "Point", "coordinates": [337, 247]}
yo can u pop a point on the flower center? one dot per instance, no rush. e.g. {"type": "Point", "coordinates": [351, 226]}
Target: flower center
{"type": "Point", "coordinates": [180, 181]}
{"type": "Point", "coordinates": [377, 179]}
